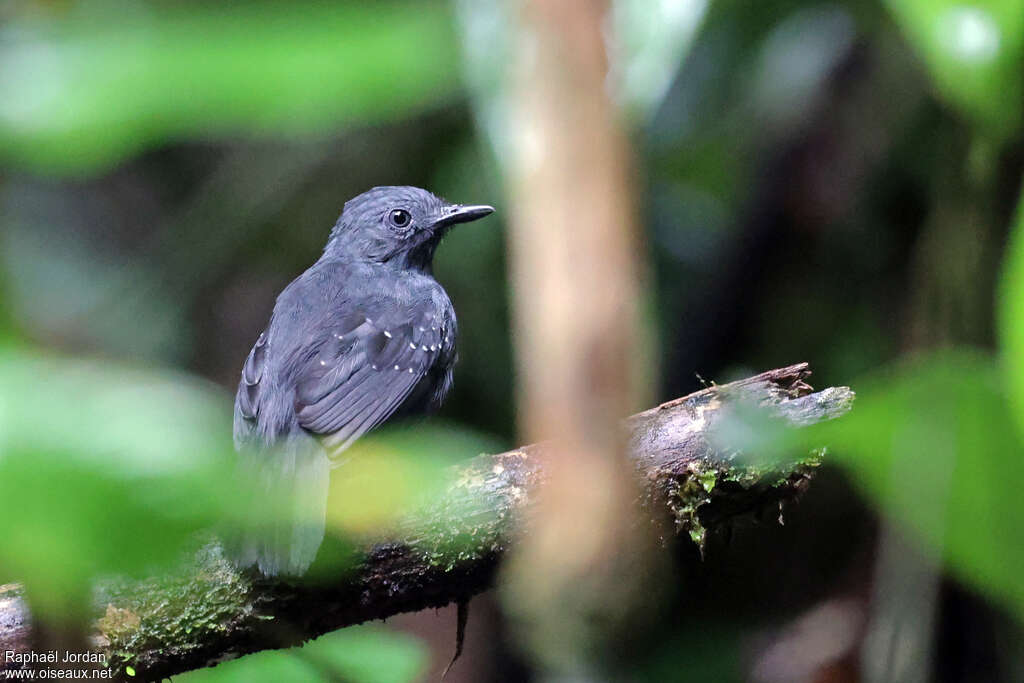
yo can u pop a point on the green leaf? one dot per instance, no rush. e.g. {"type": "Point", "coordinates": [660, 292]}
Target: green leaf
{"type": "Point", "coordinates": [393, 469]}
{"type": "Point", "coordinates": [975, 54]}
{"type": "Point", "coordinates": [933, 443]}
{"type": "Point", "coordinates": [1011, 316]}
{"type": "Point", "coordinates": [84, 89]}
{"type": "Point", "coordinates": [103, 468]}
{"type": "Point", "coordinates": [361, 654]}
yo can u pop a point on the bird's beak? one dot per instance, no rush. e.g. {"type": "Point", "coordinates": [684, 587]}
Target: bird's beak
{"type": "Point", "coordinates": [459, 213]}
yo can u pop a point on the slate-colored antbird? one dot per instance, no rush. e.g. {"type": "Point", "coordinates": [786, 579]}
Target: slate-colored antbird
{"type": "Point", "coordinates": [364, 335]}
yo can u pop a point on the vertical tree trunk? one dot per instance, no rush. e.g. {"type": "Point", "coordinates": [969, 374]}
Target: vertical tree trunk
{"type": "Point", "coordinates": [576, 273]}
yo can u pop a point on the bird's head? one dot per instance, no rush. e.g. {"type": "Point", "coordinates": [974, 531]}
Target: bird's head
{"type": "Point", "coordinates": [398, 225]}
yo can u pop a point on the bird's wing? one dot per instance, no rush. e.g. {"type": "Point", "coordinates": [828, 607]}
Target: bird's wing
{"type": "Point", "coordinates": [363, 372]}
{"type": "Point", "coordinates": [247, 400]}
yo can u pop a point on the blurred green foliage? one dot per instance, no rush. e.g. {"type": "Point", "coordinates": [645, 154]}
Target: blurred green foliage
{"type": "Point", "coordinates": [84, 88]}
{"type": "Point", "coordinates": [390, 471]}
{"type": "Point", "coordinates": [706, 654]}
{"type": "Point", "coordinates": [1011, 295]}
{"type": "Point", "coordinates": [937, 443]}
{"type": "Point", "coordinates": [103, 468]}
{"type": "Point", "coordinates": [361, 654]}
{"type": "Point", "coordinates": [974, 52]}
{"type": "Point", "coordinates": [933, 442]}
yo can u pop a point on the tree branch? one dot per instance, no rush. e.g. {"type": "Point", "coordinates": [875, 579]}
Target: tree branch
{"type": "Point", "coordinates": [209, 611]}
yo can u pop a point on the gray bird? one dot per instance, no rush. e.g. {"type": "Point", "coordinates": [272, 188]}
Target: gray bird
{"type": "Point", "coordinates": [366, 334]}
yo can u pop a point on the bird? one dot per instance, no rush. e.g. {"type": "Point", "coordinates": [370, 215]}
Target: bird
{"type": "Point", "coordinates": [365, 335]}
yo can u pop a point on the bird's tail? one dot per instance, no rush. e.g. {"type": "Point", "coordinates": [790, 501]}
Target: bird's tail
{"type": "Point", "coordinates": [287, 506]}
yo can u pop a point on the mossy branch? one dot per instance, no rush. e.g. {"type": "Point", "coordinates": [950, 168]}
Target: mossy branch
{"type": "Point", "coordinates": [210, 612]}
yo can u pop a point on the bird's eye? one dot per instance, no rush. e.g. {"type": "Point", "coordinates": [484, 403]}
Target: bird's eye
{"type": "Point", "coordinates": [400, 218]}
